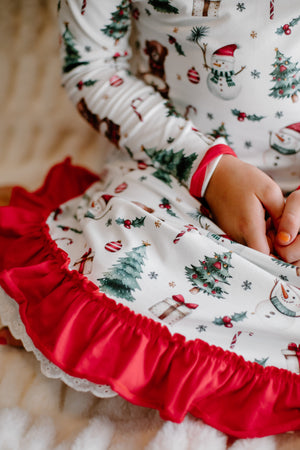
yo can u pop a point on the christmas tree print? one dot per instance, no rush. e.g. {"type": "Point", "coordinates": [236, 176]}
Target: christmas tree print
{"type": "Point", "coordinates": [120, 281]}
{"type": "Point", "coordinates": [210, 274]}
{"type": "Point", "coordinates": [171, 162]}
{"type": "Point", "coordinates": [285, 76]}
{"type": "Point", "coordinates": [281, 263]}
{"type": "Point", "coordinates": [163, 6]}
{"type": "Point", "coordinates": [72, 57]}
{"type": "Point", "coordinates": [120, 21]}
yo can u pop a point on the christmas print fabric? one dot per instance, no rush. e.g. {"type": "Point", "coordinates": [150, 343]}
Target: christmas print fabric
{"type": "Point", "coordinates": [133, 282]}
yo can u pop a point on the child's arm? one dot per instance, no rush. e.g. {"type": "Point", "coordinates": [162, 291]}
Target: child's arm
{"type": "Point", "coordinates": [239, 195]}
{"type": "Point", "coordinates": [95, 54]}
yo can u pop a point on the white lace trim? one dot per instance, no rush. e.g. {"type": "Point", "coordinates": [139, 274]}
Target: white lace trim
{"type": "Point", "coordinates": [9, 313]}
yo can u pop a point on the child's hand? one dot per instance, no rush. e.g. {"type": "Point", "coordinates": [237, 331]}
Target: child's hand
{"type": "Point", "coordinates": [239, 195]}
{"type": "Point", "coordinates": [287, 239]}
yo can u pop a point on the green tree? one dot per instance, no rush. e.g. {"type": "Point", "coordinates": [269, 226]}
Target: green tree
{"type": "Point", "coordinates": [120, 21]}
{"type": "Point", "coordinates": [72, 56]}
{"type": "Point", "coordinates": [210, 274]}
{"type": "Point", "coordinates": [285, 76]}
{"type": "Point", "coordinates": [121, 279]}
{"type": "Point", "coordinates": [170, 162]}
{"type": "Point", "coordinates": [163, 6]}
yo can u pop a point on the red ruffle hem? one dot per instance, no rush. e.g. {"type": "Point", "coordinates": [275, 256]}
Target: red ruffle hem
{"type": "Point", "coordinates": [90, 336]}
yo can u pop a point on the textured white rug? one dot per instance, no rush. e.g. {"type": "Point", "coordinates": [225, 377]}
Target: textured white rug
{"type": "Point", "coordinates": [39, 127]}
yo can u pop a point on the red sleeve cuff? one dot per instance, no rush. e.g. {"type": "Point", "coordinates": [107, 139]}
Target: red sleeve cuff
{"type": "Point", "coordinates": [199, 175]}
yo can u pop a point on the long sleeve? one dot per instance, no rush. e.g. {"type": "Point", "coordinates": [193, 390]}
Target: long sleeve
{"type": "Point", "coordinates": [95, 54]}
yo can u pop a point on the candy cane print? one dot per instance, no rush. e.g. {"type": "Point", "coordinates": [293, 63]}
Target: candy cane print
{"type": "Point", "coordinates": [134, 107]}
{"type": "Point", "coordinates": [188, 109]}
{"type": "Point", "coordinates": [234, 339]}
{"type": "Point", "coordinates": [188, 228]}
{"type": "Point", "coordinates": [272, 9]}
{"type": "Point", "coordinates": [83, 7]}
{"type": "Point", "coordinates": [177, 238]}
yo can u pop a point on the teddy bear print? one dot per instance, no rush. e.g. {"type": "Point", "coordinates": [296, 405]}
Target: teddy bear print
{"type": "Point", "coordinates": [110, 128]}
{"type": "Point", "coordinates": [156, 75]}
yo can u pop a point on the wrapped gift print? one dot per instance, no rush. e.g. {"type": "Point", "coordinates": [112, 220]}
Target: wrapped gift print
{"type": "Point", "coordinates": [292, 356]}
{"type": "Point", "coordinates": [206, 8]}
{"type": "Point", "coordinates": [84, 265]}
{"type": "Point", "coordinates": [171, 310]}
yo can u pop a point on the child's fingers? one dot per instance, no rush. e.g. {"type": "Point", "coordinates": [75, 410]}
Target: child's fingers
{"type": "Point", "coordinates": [272, 199]}
{"type": "Point", "coordinates": [289, 223]}
{"type": "Point", "coordinates": [255, 232]}
{"type": "Point", "coordinates": [290, 253]}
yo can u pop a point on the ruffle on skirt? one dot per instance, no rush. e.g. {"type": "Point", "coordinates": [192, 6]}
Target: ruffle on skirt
{"type": "Point", "coordinates": [90, 336]}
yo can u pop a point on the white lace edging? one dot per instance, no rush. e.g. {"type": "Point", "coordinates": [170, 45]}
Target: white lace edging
{"type": "Point", "coordinates": [10, 317]}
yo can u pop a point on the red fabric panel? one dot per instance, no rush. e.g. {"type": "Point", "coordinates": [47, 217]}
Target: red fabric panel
{"type": "Point", "coordinates": [89, 335]}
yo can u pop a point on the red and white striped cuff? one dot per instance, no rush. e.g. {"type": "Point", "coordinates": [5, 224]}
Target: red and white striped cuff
{"type": "Point", "coordinates": [199, 175]}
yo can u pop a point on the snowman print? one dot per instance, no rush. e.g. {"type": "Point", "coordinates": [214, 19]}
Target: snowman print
{"type": "Point", "coordinates": [282, 308]}
{"type": "Point", "coordinates": [98, 206]}
{"type": "Point", "coordinates": [222, 79]}
{"type": "Point", "coordinates": [282, 154]}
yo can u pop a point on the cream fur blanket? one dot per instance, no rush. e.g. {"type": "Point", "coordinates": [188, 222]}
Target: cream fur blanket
{"type": "Point", "coordinates": [39, 127]}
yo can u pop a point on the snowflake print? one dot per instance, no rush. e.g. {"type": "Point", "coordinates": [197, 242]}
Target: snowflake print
{"type": "Point", "coordinates": [253, 34]}
{"type": "Point", "coordinates": [87, 48]}
{"type": "Point", "coordinates": [152, 275]}
{"type": "Point", "coordinates": [201, 328]}
{"type": "Point", "coordinates": [248, 144]}
{"type": "Point", "coordinates": [143, 178]}
{"type": "Point", "coordinates": [172, 284]}
{"type": "Point", "coordinates": [210, 116]}
{"type": "Point", "coordinates": [255, 74]}
{"type": "Point", "coordinates": [247, 285]}
{"type": "Point", "coordinates": [278, 114]}
{"type": "Point", "coordinates": [157, 224]}
{"type": "Point", "coordinates": [240, 6]}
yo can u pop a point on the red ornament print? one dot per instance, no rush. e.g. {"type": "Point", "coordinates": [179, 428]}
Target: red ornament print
{"type": "Point", "coordinates": [121, 188]}
{"type": "Point", "coordinates": [113, 246]}
{"type": "Point", "coordinates": [116, 81]}
{"type": "Point", "coordinates": [193, 76]}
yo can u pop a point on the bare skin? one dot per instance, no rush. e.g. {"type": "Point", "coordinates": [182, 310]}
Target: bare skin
{"type": "Point", "coordinates": [239, 196]}
{"type": "Point", "coordinates": [286, 240]}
